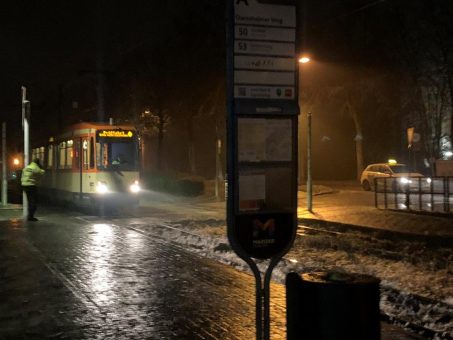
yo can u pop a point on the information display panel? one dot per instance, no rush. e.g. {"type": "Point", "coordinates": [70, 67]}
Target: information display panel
{"type": "Point", "coordinates": [262, 126]}
{"type": "Point", "coordinates": [262, 95]}
{"type": "Point", "coordinates": [265, 190]}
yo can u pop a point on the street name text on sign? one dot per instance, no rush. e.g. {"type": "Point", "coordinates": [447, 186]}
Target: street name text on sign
{"type": "Point", "coordinates": [264, 50]}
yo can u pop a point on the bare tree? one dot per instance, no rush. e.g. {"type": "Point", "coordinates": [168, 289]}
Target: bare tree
{"type": "Point", "coordinates": [427, 54]}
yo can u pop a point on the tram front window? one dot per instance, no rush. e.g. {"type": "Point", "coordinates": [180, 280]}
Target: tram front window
{"type": "Point", "coordinates": [117, 155]}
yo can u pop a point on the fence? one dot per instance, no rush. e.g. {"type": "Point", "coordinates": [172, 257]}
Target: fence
{"type": "Point", "coordinates": [414, 193]}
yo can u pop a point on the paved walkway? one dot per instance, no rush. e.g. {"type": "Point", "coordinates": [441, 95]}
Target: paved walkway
{"type": "Point", "coordinates": [67, 278]}
{"type": "Point", "coordinates": [333, 207]}
{"type": "Point", "coordinates": [350, 207]}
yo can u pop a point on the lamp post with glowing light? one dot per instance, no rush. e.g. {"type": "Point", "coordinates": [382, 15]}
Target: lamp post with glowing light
{"type": "Point", "coordinates": [305, 60]}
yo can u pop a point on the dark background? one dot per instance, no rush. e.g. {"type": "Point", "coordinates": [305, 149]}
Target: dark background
{"type": "Point", "coordinates": [169, 57]}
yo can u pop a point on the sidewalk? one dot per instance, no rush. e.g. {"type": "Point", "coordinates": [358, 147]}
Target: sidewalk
{"type": "Point", "coordinates": [333, 208]}
{"type": "Point", "coordinates": [169, 208]}
{"type": "Point", "coordinates": [65, 278]}
{"type": "Point", "coordinates": [330, 207]}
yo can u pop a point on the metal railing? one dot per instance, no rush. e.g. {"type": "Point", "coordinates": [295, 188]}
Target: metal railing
{"type": "Point", "coordinates": [433, 194]}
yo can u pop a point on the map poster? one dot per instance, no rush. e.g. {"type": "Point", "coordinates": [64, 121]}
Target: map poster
{"type": "Point", "coordinates": [264, 140]}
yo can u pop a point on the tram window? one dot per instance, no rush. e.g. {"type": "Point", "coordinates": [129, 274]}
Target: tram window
{"type": "Point", "coordinates": [98, 156]}
{"type": "Point", "coordinates": [120, 155]}
{"type": "Point", "coordinates": [69, 154]}
{"type": "Point", "coordinates": [49, 156]}
{"type": "Point", "coordinates": [76, 154]}
{"type": "Point", "coordinates": [91, 153]}
{"type": "Point", "coordinates": [41, 155]}
{"type": "Point", "coordinates": [62, 155]}
{"type": "Point", "coordinates": [38, 153]}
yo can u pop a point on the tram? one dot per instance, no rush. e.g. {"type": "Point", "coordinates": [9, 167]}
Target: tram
{"type": "Point", "coordinates": [91, 165]}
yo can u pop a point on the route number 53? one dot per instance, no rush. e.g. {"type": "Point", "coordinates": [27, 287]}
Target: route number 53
{"type": "Point", "coordinates": [242, 46]}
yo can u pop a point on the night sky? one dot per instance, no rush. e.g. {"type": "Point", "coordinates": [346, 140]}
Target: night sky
{"type": "Point", "coordinates": [52, 48]}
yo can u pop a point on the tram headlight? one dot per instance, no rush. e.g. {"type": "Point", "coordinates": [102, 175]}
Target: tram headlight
{"type": "Point", "coordinates": [101, 188]}
{"type": "Point", "coordinates": [135, 187]}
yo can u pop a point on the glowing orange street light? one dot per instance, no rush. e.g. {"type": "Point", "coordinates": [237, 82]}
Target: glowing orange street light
{"type": "Point", "coordinates": [16, 161]}
{"type": "Point", "coordinates": [303, 60]}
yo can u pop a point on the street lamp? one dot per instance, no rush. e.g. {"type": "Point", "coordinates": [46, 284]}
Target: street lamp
{"type": "Point", "coordinates": [305, 60]}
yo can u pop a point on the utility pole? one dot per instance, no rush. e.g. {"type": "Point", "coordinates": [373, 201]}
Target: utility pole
{"type": "Point", "coordinates": [4, 173]}
{"type": "Point", "coordinates": [25, 126]}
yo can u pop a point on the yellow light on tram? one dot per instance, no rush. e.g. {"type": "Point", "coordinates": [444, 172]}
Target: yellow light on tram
{"type": "Point", "coordinates": [392, 161]}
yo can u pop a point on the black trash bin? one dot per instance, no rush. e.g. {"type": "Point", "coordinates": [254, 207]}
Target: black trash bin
{"type": "Point", "coordinates": [332, 306]}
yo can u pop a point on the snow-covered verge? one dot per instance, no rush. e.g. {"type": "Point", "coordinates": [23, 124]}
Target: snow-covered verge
{"type": "Point", "coordinates": [416, 286]}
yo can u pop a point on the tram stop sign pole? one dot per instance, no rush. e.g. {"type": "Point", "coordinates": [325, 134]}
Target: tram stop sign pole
{"type": "Point", "coordinates": [262, 93]}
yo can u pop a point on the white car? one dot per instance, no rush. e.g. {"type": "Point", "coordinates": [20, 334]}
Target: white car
{"type": "Point", "coordinates": [403, 177]}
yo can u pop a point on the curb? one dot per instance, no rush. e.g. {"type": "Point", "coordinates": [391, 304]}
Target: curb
{"type": "Point", "coordinates": [431, 241]}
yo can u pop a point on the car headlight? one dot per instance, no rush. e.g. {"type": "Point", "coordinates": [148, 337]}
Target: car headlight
{"type": "Point", "coordinates": [101, 188]}
{"type": "Point", "coordinates": [405, 180]}
{"type": "Point", "coordinates": [135, 187]}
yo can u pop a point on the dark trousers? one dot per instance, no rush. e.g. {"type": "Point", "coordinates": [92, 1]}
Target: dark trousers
{"type": "Point", "coordinates": [32, 198]}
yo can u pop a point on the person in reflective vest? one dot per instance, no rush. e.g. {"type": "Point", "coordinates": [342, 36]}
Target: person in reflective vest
{"type": "Point", "coordinates": [31, 175]}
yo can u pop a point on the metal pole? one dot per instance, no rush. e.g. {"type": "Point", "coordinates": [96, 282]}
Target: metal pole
{"type": "Point", "coordinates": [4, 174]}
{"type": "Point", "coordinates": [420, 190]}
{"type": "Point", "coordinates": [266, 298]}
{"type": "Point", "coordinates": [376, 203]}
{"type": "Point", "coordinates": [309, 179]}
{"type": "Point", "coordinates": [217, 167]}
{"type": "Point", "coordinates": [25, 123]}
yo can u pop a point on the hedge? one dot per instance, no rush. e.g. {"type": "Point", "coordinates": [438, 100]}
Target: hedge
{"type": "Point", "coordinates": [174, 185]}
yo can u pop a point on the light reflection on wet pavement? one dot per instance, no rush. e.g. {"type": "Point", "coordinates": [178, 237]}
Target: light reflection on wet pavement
{"type": "Point", "coordinates": [68, 279]}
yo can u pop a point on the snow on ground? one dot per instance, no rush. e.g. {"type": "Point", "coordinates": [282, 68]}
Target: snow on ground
{"type": "Point", "coordinates": [414, 292]}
